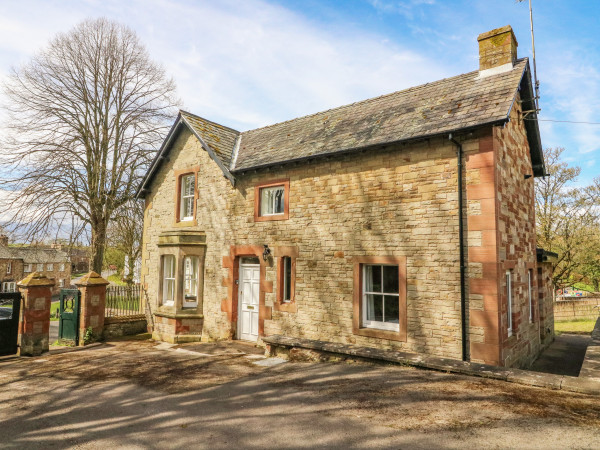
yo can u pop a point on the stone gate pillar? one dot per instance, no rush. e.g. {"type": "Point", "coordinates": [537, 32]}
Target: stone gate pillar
{"type": "Point", "coordinates": [34, 319]}
{"type": "Point", "coordinates": [93, 301]}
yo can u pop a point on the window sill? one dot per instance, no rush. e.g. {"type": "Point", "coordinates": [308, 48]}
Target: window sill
{"type": "Point", "coordinates": [185, 223]}
{"type": "Point", "coordinates": [274, 217]}
{"type": "Point", "coordinates": [380, 334]}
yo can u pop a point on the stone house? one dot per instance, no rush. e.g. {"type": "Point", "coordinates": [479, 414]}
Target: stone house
{"type": "Point", "coordinates": [18, 262]}
{"type": "Point", "coordinates": [345, 225]}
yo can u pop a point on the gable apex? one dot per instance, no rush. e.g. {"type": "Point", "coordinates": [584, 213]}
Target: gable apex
{"type": "Point", "coordinates": [213, 137]}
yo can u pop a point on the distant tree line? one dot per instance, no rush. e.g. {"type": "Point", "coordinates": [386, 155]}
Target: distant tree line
{"type": "Point", "coordinates": [568, 221]}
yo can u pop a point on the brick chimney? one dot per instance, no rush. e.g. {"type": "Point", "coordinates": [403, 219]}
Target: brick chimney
{"type": "Point", "coordinates": [3, 240]}
{"type": "Point", "coordinates": [497, 49]}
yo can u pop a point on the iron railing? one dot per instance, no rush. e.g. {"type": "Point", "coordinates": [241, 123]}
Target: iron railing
{"type": "Point", "coordinates": [124, 301]}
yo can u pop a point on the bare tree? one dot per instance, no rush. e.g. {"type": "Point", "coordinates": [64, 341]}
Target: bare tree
{"type": "Point", "coordinates": [85, 117]}
{"type": "Point", "coordinates": [566, 217]}
{"type": "Point", "coordinates": [125, 233]}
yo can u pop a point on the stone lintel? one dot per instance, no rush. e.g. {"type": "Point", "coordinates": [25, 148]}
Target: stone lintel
{"type": "Point", "coordinates": [181, 237]}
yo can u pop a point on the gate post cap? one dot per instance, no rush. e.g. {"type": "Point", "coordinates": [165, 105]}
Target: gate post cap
{"type": "Point", "coordinates": [92, 279]}
{"type": "Point", "coordinates": [35, 279]}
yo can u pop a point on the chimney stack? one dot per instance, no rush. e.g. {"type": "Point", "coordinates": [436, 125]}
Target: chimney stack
{"type": "Point", "coordinates": [3, 240]}
{"type": "Point", "coordinates": [497, 49]}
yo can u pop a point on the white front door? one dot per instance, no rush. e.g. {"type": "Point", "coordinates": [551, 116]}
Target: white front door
{"type": "Point", "coordinates": [248, 302]}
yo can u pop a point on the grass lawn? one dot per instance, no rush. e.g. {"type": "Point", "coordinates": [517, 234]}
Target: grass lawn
{"type": "Point", "coordinates": [116, 279]}
{"type": "Point", "coordinates": [77, 275]}
{"type": "Point", "coordinates": [577, 326]}
{"type": "Point", "coordinates": [54, 307]}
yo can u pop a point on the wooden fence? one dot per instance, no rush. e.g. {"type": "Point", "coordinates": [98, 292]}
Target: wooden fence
{"type": "Point", "coordinates": [585, 308]}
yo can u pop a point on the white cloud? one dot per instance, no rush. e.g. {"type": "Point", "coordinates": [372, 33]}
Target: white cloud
{"type": "Point", "coordinates": [245, 64]}
{"type": "Point", "coordinates": [572, 84]}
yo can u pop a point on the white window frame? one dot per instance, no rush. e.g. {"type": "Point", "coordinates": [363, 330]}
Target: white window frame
{"type": "Point", "coordinates": [50, 267]}
{"type": "Point", "coordinates": [28, 268]}
{"type": "Point", "coordinates": [190, 277]}
{"type": "Point", "coordinates": [39, 267]}
{"type": "Point", "coordinates": [509, 302]}
{"type": "Point", "coordinates": [61, 282]}
{"type": "Point", "coordinates": [530, 293]}
{"type": "Point", "coordinates": [372, 323]}
{"type": "Point", "coordinates": [167, 279]}
{"type": "Point", "coordinates": [262, 205]}
{"type": "Point", "coordinates": [61, 267]}
{"type": "Point", "coordinates": [9, 286]}
{"type": "Point", "coordinates": [9, 268]}
{"type": "Point", "coordinates": [287, 283]}
{"type": "Point", "coordinates": [183, 197]}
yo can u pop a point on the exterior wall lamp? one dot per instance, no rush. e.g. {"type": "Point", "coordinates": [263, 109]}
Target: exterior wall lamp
{"type": "Point", "coordinates": [267, 252]}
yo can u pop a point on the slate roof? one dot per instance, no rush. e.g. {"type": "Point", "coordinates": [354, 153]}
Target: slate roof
{"type": "Point", "coordinates": [451, 104]}
{"type": "Point", "coordinates": [34, 255]}
{"type": "Point", "coordinates": [219, 138]}
{"type": "Point", "coordinates": [454, 104]}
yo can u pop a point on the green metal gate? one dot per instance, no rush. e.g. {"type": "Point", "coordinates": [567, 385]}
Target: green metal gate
{"type": "Point", "coordinates": [10, 307]}
{"type": "Point", "coordinates": [68, 325]}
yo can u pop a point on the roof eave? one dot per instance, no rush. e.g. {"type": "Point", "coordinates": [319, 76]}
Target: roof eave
{"type": "Point", "coordinates": [531, 125]}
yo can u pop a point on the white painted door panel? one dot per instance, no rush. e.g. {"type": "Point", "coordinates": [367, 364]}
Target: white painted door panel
{"type": "Point", "coordinates": [248, 307]}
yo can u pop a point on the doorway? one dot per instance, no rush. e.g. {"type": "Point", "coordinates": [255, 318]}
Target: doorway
{"type": "Point", "coordinates": [248, 299]}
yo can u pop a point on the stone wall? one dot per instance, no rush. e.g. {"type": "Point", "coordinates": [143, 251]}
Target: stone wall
{"type": "Point", "coordinates": [516, 241]}
{"type": "Point", "coordinates": [124, 326]}
{"type": "Point", "coordinates": [401, 201]}
{"type": "Point", "coordinates": [587, 308]}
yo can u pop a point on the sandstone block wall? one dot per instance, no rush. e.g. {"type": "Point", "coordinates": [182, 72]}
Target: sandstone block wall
{"type": "Point", "coordinates": [395, 202]}
{"type": "Point", "coordinates": [516, 241]}
{"type": "Point", "coordinates": [401, 201]}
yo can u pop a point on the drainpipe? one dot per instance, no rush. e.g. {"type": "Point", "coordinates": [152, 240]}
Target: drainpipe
{"type": "Point", "coordinates": [463, 302]}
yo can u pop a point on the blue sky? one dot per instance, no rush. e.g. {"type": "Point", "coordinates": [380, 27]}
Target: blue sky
{"type": "Point", "coordinates": [251, 63]}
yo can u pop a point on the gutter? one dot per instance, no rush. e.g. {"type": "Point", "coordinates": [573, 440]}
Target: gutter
{"type": "Point", "coordinates": [463, 301]}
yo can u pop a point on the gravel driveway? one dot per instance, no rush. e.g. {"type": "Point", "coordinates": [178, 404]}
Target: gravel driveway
{"type": "Point", "coordinates": [137, 394]}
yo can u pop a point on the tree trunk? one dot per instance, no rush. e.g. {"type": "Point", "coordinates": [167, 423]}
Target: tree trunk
{"type": "Point", "coordinates": [98, 245]}
{"type": "Point", "coordinates": [130, 266]}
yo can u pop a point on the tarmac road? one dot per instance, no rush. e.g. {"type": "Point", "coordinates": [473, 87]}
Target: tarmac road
{"type": "Point", "coordinates": [140, 395]}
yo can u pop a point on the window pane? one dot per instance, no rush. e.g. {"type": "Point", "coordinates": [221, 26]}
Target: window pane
{"type": "Point", "coordinates": [278, 206]}
{"type": "Point", "coordinates": [390, 279]}
{"type": "Point", "coordinates": [266, 205]}
{"type": "Point", "coordinates": [188, 185]}
{"type": "Point", "coordinates": [392, 309]}
{"type": "Point", "coordinates": [287, 278]}
{"type": "Point", "coordinates": [375, 307]}
{"type": "Point", "coordinates": [190, 277]}
{"type": "Point", "coordinates": [169, 269]}
{"type": "Point", "coordinates": [188, 207]}
{"type": "Point", "coordinates": [271, 200]}
{"type": "Point", "coordinates": [373, 279]}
